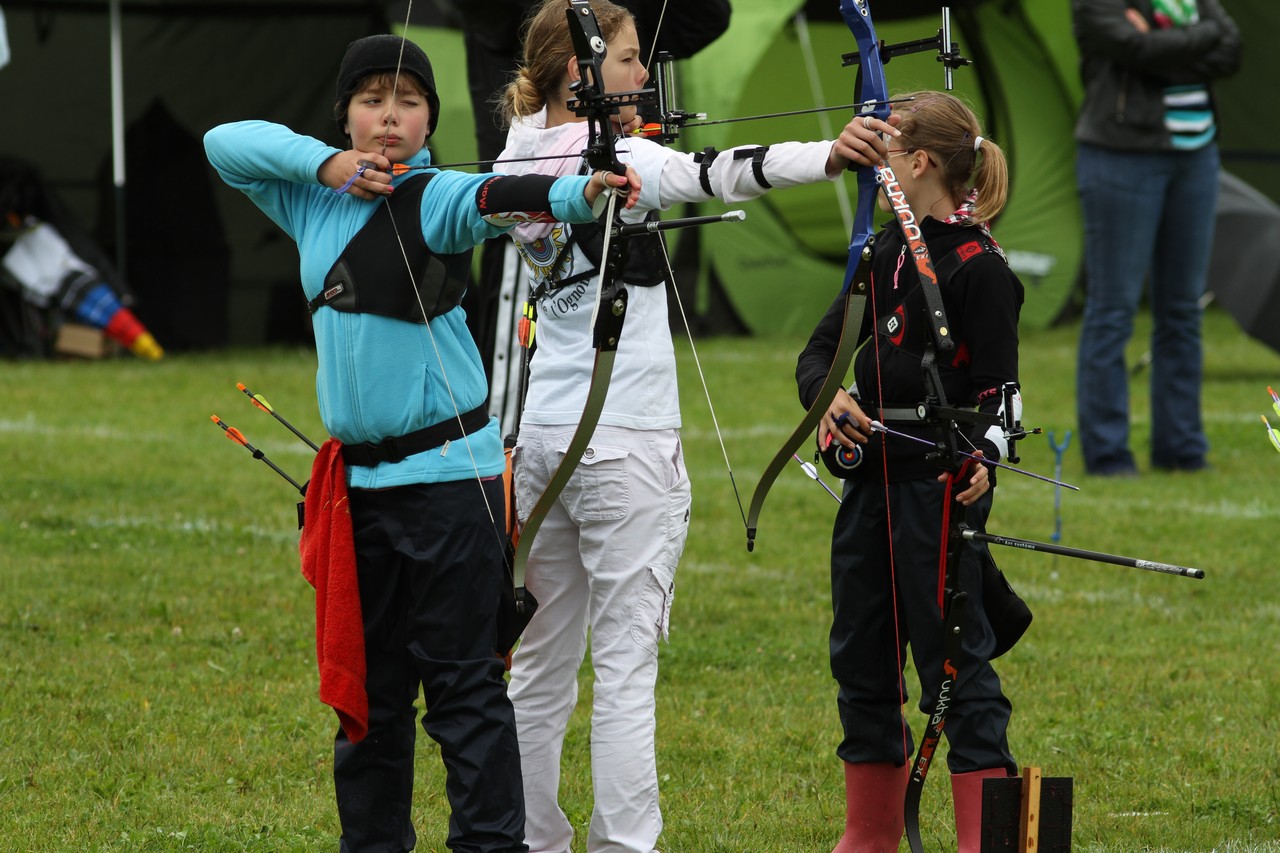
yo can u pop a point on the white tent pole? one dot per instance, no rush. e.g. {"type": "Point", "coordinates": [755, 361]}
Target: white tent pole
{"type": "Point", "coordinates": [117, 130]}
{"type": "Point", "coordinates": [820, 100]}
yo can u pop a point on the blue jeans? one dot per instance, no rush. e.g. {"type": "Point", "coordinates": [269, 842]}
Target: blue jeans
{"type": "Point", "coordinates": [1144, 213]}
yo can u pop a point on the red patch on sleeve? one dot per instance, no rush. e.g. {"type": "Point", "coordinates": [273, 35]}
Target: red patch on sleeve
{"type": "Point", "coordinates": [968, 250]}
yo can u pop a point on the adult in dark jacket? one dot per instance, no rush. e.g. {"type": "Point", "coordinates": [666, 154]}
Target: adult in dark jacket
{"type": "Point", "coordinates": [1147, 170]}
{"type": "Point", "coordinates": [887, 539]}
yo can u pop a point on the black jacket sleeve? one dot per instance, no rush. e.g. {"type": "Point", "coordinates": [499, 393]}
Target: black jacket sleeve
{"type": "Point", "coordinates": [990, 322]}
{"type": "Point", "coordinates": [1103, 31]}
{"type": "Point", "coordinates": [1224, 58]}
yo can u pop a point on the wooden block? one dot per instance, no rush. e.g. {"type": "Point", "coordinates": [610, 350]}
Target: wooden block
{"type": "Point", "coordinates": [1029, 826]}
{"type": "Point", "coordinates": [1002, 807]}
{"type": "Point", "coordinates": [82, 342]}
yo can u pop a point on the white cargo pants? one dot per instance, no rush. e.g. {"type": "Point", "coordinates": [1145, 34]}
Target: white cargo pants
{"type": "Point", "coordinates": [604, 559]}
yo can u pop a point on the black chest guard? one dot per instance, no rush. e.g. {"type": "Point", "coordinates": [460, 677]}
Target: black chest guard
{"type": "Point", "coordinates": [645, 258]}
{"type": "Point", "coordinates": [370, 275]}
{"type": "Point", "coordinates": [645, 267]}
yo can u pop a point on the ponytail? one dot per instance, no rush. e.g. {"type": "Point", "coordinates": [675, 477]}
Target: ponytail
{"type": "Point", "coordinates": [946, 127]}
{"type": "Point", "coordinates": [990, 179]}
{"type": "Point", "coordinates": [548, 48]}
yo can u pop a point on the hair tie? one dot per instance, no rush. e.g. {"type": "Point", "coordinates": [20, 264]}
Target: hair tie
{"type": "Point", "coordinates": [977, 143]}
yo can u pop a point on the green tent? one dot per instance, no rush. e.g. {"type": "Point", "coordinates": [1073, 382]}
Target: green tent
{"type": "Point", "coordinates": [778, 270]}
{"type": "Point", "coordinates": [209, 62]}
{"type": "Point", "coordinates": [782, 266]}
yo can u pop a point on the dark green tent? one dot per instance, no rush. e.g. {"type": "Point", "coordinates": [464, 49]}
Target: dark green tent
{"type": "Point", "coordinates": [192, 64]}
{"type": "Point", "coordinates": [204, 266]}
{"type": "Point", "coordinates": [780, 268]}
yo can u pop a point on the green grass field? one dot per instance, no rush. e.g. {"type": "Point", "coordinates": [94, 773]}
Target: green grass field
{"type": "Point", "coordinates": [157, 675]}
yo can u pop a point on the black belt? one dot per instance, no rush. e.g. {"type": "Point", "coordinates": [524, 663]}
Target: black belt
{"type": "Point", "coordinates": [398, 447]}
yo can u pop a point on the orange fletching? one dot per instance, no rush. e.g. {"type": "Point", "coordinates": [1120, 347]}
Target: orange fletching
{"type": "Point", "coordinates": [232, 433]}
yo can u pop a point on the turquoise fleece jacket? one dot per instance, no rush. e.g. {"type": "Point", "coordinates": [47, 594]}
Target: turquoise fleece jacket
{"type": "Point", "coordinates": [377, 376]}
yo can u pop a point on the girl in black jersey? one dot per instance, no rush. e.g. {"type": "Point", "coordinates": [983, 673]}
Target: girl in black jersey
{"type": "Point", "coordinates": [889, 529]}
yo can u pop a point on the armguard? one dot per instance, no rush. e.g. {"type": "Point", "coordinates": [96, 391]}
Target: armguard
{"type": "Point", "coordinates": [704, 159]}
{"type": "Point", "coordinates": [503, 195]}
{"type": "Point", "coordinates": [757, 163]}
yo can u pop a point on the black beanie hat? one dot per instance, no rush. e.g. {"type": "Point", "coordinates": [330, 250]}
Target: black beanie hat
{"type": "Point", "coordinates": [379, 54]}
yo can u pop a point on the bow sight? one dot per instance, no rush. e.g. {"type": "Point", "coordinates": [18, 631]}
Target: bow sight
{"type": "Point", "coordinates": [947, 50]}
{"type": "Point", "coordinates": [591, 101]}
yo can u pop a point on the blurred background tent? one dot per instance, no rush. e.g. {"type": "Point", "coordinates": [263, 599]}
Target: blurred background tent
{"type": "Point", "coordinates": [781, 267]}
{"type": "Point", "coordinates": [207, 269]}
{"type": "Point", "coordinates": [201, 266]}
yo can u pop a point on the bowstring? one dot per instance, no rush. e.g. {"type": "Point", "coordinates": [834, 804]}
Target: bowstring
{"type": "Point", "coordinates": [653, 48]}
{"type": "Point", "coordinates": [888, 507]}
{"type": "Point", "coordinates": [715, 421]}
{"type": "Point", "coordinates": [888, 516]}
{"type": "Point", "coordinates": [684, 317]}
{"type": "Point", "coordinates": [801, 21]}
{"type": "Point", "coordinates": [426, 321]}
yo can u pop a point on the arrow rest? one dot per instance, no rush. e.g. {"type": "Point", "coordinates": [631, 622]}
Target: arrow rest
{"type": "Point", "coordinates": [670, 117]}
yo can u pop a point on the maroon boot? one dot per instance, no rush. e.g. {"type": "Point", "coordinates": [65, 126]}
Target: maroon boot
{"type": "Point", "coordinates": [966, 796]}
{"type": "Point", "coordinates": [874, 795]}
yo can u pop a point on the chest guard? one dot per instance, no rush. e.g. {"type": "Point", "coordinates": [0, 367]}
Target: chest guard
{"type": "Point", "coordinates": [645, 266]}
{"type": "Point", "coordinates": [370, 276]}
{"type": "Point", "coordinates": [893, 325]}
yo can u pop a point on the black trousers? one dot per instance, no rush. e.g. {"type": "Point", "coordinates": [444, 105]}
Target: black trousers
{"type": "Point", "coordinates": [867, 644]}
{"type": "Point", "coordinates": [430, 570]}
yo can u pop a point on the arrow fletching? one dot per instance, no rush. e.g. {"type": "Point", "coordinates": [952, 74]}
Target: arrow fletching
{"type": "Point", "coordinates": [231, 432]}
{"type": "Point", "coordinates": [238, 437]}
{"type": "Point", "coordinates": [258, 400]}
{"type": "Point", "coordinates": [1272, 433]}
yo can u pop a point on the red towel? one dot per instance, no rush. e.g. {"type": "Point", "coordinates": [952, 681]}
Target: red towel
{"type": "Point", "coordinates": [329, 564]}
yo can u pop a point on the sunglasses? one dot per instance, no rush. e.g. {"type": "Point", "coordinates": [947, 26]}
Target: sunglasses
{"type": "Point", "coordinates": [894, 151]}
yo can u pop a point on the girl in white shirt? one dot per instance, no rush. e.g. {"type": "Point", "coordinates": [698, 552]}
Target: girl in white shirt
{"type": "Point", "coordinates": [605, 557]}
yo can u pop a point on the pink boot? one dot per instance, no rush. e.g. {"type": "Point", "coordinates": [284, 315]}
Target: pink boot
{"type": "Point", "coordinates": [966, 796]}
{"type": "Point", "coordinates": [874, 795]}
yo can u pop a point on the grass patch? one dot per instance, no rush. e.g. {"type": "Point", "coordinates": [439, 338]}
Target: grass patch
{"type": "Point", "coordinates": [158, 681]}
